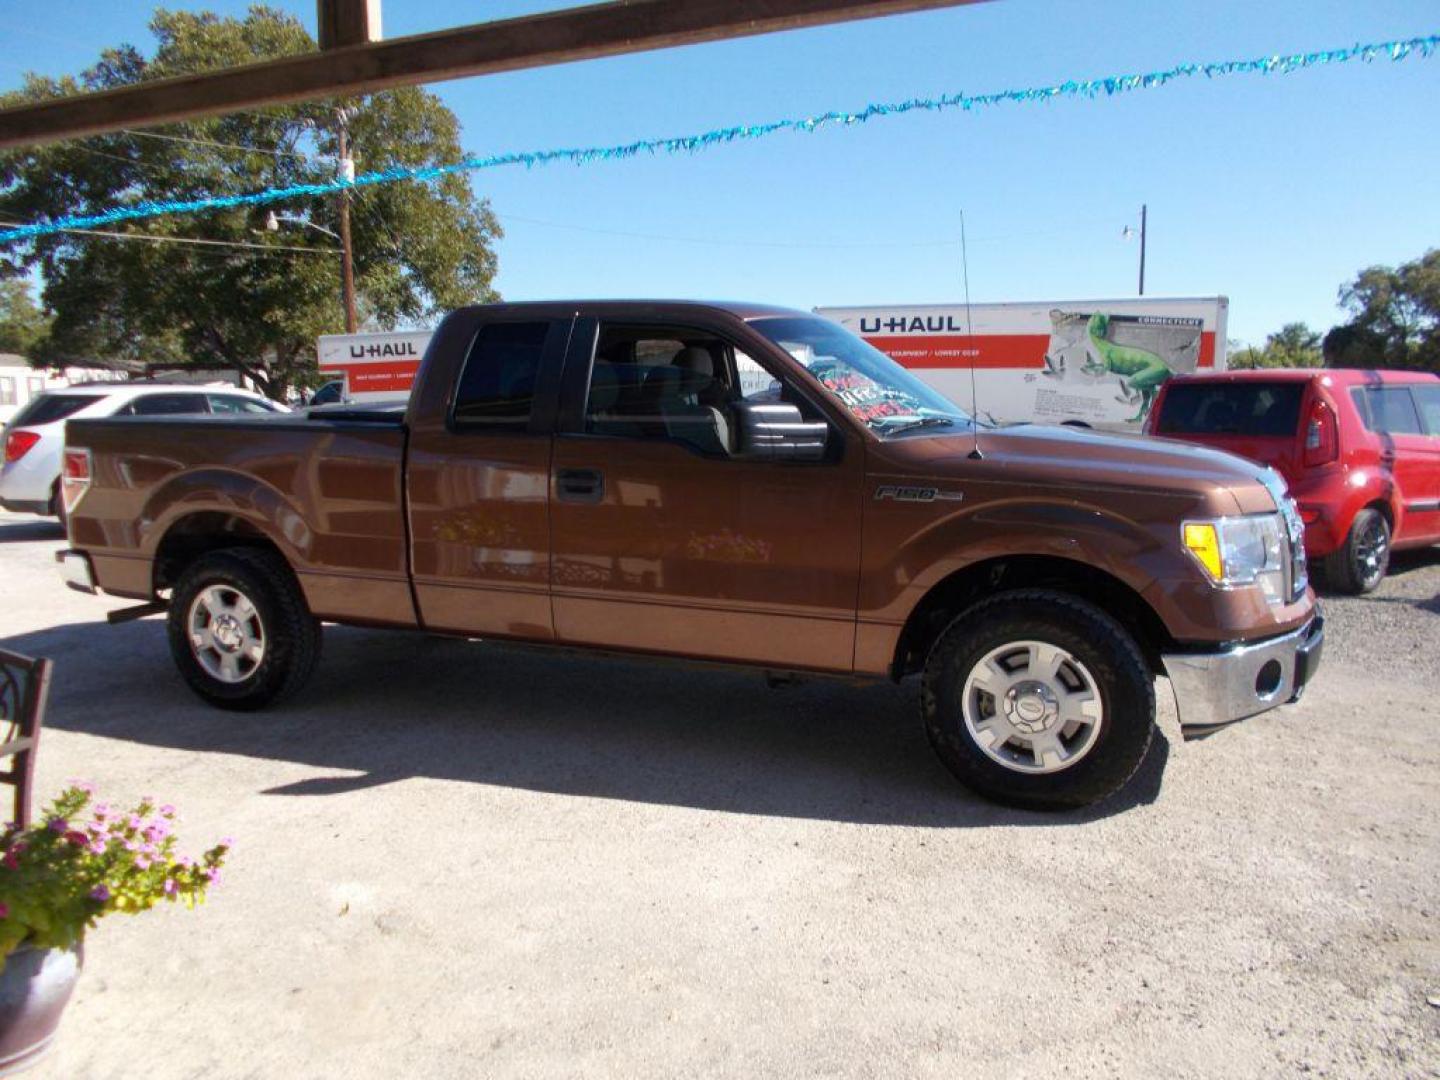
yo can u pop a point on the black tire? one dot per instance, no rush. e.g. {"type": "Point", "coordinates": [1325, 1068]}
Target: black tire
{"type": "Point", "coordinates": [57, 507]}
{"type": "Point", "coordinates": [1358, 566]}
{"type": "Point", "coordinates": [1114, 662]}
{"type": "Point", "coordinates": [291, 634]}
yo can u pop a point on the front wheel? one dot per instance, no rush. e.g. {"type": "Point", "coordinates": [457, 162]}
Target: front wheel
{"type": "Point", "coordinates": [1038, 699]}
{"type": "Point", "coordinates": [240, 630]}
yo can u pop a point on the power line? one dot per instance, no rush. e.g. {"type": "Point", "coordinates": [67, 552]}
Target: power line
{"type": "Point", "coordinates": [277, 152]}
{"type": "Point", "coordinates": [195, 240]}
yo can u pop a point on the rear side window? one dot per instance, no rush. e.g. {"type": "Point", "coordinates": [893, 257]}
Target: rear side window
{"type": "Point", "coordinates": [49, 408]}
{"type": "Point", "coordinates": [1249, 408]}
{"type": "Point", "coordinates": [235, 405]}
{"type": "Point", "coordinates": [164, 405]}
{"type": "Point", "coordinates": [1389, 410]}
{"type": "Point", "coordinates": [497, 386]}
{"type": "Point", "coordinates": [1428, 398]}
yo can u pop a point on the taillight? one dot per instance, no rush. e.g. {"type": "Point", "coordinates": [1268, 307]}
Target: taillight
{"type": "Point", "coordinates": [18, 444]}
{"type": "Point", "coordinates": [1322, 435]}
{"type": "Point", "coordinates": [76, 476]}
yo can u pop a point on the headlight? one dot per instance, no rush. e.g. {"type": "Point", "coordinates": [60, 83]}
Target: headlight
{"type": "Point", "coordinates": [1235, 551]}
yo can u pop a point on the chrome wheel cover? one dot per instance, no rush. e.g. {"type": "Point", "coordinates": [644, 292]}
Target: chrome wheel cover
{"type": "Point", "coordinates": [1372, 552]}
{"type": "Point", "coordinates": [1032, 707]}
{"type": "Point", "coordinates": [227, 637]}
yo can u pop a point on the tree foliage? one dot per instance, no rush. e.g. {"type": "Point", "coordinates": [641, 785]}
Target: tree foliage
{"type": "Point", "coordinates": [1394, 318]}
{"type": "Point", "coordinates": [420, 249]}
{"type": "Point", "coordinates": [1295, 345]}
{"type": "Point", "coordinates": [22, 323]}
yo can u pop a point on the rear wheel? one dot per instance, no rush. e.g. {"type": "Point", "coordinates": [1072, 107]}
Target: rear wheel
{"type": "Point", "coordinates": [1359, 565]}
{"type": "Point", "coordinates": [1038, 699]}
{"type": "Point", "coordinates": [240, 631]}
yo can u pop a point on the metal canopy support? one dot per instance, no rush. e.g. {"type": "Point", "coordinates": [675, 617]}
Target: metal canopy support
{"type": "Point", "coordinates": [558, 37]}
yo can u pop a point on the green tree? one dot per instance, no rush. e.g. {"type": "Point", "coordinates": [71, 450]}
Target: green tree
{"type": "Point", "coordinates": [1294, 345]}
{"type": "Point", "coordinates": [420, 249]}
{"type": "Point", "coordinates": [22, 324]}
{"type": "Point", "coordinates": [1395, 317]}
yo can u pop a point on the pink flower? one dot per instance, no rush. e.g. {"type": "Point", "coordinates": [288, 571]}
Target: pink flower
{"type": "Point", "coordinates": [142, 862]}
{"type": "Point", "coordinates": [212, 874]}
{"type": "Point", "coordinates": [131, 845]}
{"type": "Point", "coordinates": [134, 821]}
{"type": "Point", "coordinates": [76, 837]}
{"type": "Point", "coordinates": [58, 825]}
{"type": "Point", "coordinates": [185, 861]}
{"type": "Point", "coordinates": [170, 888]}
{"type": "Point", "coordinates": [83, 785]}
{"type": "Point", "coordinates": [156, 831]}
{"type": "Point", "coordinates": [100, 892]}
{"type": "Point", "coordinates": [97, 846]}
{"type": "Point", "coordinates": [167, 810]}
{"type": "Point", "coordinates": [226, 842]}
{"type": "Point", "coordinates": [4, 910]}
{"type": "Point", "coordinates": [101, 811]}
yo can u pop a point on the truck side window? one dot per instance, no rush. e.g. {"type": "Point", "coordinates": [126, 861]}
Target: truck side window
{"type": "Point", "coordinates": [497, 386]}
{"type": "Point", "coordinates": [663, 383]}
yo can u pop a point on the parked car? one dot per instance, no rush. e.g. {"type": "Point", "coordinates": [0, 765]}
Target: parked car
{"type": "Point", "coordinates": [739, 484]}
{"type": "Point", "coordinates": [35, 437]}
{"type": "Point", "coordinates": [1359, 449]}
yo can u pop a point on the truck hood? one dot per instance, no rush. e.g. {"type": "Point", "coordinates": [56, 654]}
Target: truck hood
{"type": "Point", "coordinates": [1064, 456]}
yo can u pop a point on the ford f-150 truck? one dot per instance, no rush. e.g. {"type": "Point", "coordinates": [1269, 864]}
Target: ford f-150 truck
{"type": "Point", "coordinates": [731, 483]}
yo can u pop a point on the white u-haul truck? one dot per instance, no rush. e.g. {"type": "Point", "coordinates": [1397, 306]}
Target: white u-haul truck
{"type": "Point", "coordinates": [373, 366]}
{"type": "Point", "coordinates": [1093, 362]}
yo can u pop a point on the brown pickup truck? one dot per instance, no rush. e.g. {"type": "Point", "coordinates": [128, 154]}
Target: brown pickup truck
{"type": "Point", "coordinates": [730, 483]}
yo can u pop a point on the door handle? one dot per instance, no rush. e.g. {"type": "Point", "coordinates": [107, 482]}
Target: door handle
{"type": "Point", "coordinates": [580, 485]}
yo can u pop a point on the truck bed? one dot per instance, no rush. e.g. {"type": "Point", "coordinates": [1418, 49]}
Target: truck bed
{"type": "Point", "coordinates": [330, 483]}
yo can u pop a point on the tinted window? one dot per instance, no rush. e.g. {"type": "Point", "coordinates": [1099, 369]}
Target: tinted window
{"type": "Point", "coordinates": [1428, 398]}
{"type": "Point", "coordinates": [498, 383]}
{"type": "Point", "coordinates": [1387, 409]}
{"type": "Point", "coordinates": [48, 408]}
{"type": "Point", "coordinates": [164, 405]}
{"type": "Point", "coordinates": [234, 404]}
{"type": "Point", "coordinates": [1250, 408]}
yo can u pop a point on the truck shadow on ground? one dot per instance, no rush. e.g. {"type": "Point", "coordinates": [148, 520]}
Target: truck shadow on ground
{"type": "Point", "coordinates": [389, 706]}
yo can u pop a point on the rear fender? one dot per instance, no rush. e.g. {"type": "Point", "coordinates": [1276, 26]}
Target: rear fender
{"type": "Point", "coordinates": [237, 494]}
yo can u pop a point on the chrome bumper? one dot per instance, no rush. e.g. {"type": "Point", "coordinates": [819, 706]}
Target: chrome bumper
{"type": "Point", "coordinates": [75, 568]}
{"type": "Point", "coordinates": [1214, 689]}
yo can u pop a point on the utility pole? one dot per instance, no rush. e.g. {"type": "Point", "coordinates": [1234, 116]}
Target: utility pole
{"type": "Point", "coordinates": [347, 254]}
{"type": "Point", "coordinates": [1142, 248]}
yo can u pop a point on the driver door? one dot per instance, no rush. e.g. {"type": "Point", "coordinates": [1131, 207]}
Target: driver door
{"type": "Point", "coordinates": [666, 538]}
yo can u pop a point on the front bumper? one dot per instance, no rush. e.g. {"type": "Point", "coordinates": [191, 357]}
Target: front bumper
{"type": "Point", "coordinates": [1214, 689]}
{"type": "Point", "coordinates": [75, 568]}
{"type": "Point", "coordinates": [25, 506]}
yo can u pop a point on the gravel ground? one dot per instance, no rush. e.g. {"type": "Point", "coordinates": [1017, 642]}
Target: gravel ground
{"type": "Point", "coordinates": [457, 860]}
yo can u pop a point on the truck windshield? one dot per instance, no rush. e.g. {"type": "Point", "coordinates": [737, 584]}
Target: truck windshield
{"type": "Point", "coordinates": [862, 378]}
{"type": "Point", "coordinates": [1233, 408]}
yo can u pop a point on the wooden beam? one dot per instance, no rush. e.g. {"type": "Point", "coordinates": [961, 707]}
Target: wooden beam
{"type": "Point", "coordinates": [347, 22]}
{"type": "Point", "coordinates": [557, 37]}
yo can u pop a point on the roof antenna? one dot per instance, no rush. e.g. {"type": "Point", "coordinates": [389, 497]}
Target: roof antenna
{"type": "Point", "coordinates": [975, 454]}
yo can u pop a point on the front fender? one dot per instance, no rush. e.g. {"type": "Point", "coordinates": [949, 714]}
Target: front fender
{"type": "Point", "coordinates": [900, 572]}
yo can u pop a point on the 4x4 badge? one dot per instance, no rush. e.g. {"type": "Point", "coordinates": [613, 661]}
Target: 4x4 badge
{"type": "Point", "coordinates": [901, 493]}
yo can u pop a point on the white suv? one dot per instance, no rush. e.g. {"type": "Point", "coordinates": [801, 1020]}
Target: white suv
{"type": "Point", "coordinates": [35, 436]}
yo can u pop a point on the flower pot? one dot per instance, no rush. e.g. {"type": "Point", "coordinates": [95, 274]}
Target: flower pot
{"type": "Point", "coordinates": [35, 987]}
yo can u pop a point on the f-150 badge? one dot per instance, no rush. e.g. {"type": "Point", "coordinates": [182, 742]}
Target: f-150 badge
{"type": "Point", "coordinates": [901, 493]}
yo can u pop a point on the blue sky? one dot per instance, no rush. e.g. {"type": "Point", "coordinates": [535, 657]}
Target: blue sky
{"type": "Point", "coordinates": [1271, 190]}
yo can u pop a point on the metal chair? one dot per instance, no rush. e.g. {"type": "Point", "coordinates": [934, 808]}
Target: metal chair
{"type": "Point", "coordinates": [24, 685]}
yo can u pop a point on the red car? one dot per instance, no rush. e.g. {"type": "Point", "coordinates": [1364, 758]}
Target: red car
{"type": "Point", "coordinates": [1359, 449]}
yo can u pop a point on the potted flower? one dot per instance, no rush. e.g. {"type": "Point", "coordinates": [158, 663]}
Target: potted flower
{"type": "Point", "coordinates": [81, 862]}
